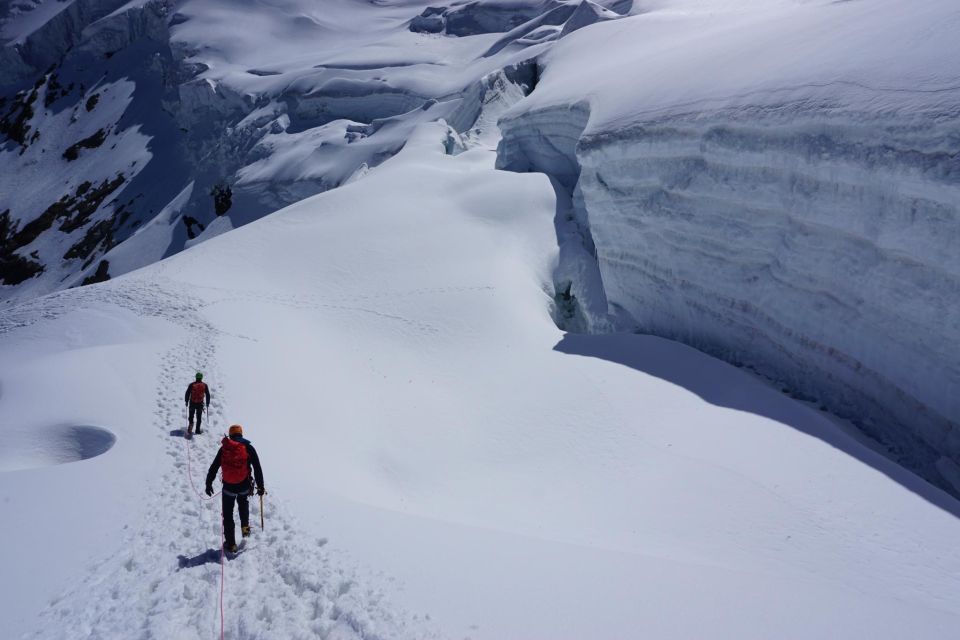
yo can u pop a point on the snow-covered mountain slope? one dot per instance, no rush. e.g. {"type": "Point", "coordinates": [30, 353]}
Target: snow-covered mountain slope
{"type": "Point", "coordinates": [778, 184]}
{"type": "Point", "coordinates": [773, 182]}
{"type": "Point", "coordinates": [217, 121]}
{"type": "Point", "coordinates": [434, 444]}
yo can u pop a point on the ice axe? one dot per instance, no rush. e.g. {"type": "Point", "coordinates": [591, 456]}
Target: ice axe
{"type": "Point", "coordinates": [261, 510]}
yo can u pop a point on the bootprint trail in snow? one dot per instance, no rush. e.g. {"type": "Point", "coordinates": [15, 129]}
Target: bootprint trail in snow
{"type": "Point", "coordinates": [165, 580]}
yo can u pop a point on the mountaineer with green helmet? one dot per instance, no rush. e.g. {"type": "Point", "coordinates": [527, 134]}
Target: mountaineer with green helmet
{"type": "Point", "coordinates": [197, 391]}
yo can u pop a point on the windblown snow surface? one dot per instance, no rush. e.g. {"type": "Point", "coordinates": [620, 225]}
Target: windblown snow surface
{"type": "Point", "coordinates": [456, 439]}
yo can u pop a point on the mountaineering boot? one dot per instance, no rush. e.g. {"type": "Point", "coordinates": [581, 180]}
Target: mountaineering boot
{"type": "Point", "coordinates": [198, 432]}
{"type": "Point", "coordinates": [230, 547]}
{"type": "Point", "coordinates": [245, 530]}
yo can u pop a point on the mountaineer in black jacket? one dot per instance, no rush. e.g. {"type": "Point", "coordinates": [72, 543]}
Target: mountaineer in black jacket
{"type": "Point", "coordinates": [236, 456]}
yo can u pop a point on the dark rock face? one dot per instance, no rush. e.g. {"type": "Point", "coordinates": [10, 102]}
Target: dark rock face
{"type": "Point", "coordinates": [15, 124]}
{"type": "Point", "coordinates": [90, 142]}
{"type": "Point", "coordinates": [69, 211]}
{"type": "Point", "coordinates": [222, 198]}
{"type": "Point", "coordinates": [14, 268]}
{"type": "Point", "coordinates": [101, 275]}
{"type": "Point", "coordinates": [74, 212]}
{"type": "Point", "coordinates": [190, 222]}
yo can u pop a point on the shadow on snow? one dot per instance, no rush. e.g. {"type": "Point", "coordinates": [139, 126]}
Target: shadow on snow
{"type": "Point", "coordinates": [715, 382]}
{"type": "Point", "coordinates": [210, 556]}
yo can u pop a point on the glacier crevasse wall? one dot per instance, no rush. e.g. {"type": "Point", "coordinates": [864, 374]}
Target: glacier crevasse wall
{"type": "Point", "coordinates": [816, 246]}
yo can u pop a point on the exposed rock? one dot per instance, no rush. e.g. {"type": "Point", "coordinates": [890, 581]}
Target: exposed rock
{"type": "Point", "coordinates": [14, 268]}
{"type": "Point", "coordinates": [222, 198]}
{"type": "Point", "coordinates": [100, 235]}
{"type": "Point", "coordinates": [190, 222]}
{"type": "Point", "coordinates": [87, 201]}
{"type": "Point", "coordinates": [16, 123]}
{"type": "Point", "coordinates": [90, 142]}
{"type": "Point", "coordinates": [101, 275]}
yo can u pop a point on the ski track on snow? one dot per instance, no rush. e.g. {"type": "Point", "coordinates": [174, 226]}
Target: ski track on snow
{"type": "Point", "coordinates": [164, 582]}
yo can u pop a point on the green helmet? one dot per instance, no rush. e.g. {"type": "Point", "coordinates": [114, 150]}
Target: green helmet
{"type": "Point", "coordinates": [199, 376]}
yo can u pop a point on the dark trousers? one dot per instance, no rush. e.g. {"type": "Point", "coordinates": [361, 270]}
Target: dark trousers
{"type": "Point", "coordinates": [196, 409]}
{"type": "Point", "coordinates": [244, 506]}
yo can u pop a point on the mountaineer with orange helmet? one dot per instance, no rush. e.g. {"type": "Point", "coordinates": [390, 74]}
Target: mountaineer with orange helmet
{"type": "Point", "coordinates": [235, 457]}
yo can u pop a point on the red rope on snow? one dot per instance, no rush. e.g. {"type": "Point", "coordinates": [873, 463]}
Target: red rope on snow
{"type": "Point", "coordinates": [209, 499]}
{"type": "Point", "coordinates": [221, 578]}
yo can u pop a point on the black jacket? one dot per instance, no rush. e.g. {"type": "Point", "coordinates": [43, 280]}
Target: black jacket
{"type": "Point", "coordinates": [253, 460]}
{"type": "Point", "coordinates": [186, 396]}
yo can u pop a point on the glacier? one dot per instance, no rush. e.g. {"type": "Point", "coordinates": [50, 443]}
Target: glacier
{"type": "Point", "coordinates": [215, 133]}
{"type": "Point", "coordinates": [799, 219]}
{"type": "Point", "coordinates": [538, 311]}
{"type": "Point", "coordinates": [785, 201]}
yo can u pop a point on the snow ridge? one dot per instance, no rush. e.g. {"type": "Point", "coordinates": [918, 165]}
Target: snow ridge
{"type": "Point", "coordinates": [165, 581]}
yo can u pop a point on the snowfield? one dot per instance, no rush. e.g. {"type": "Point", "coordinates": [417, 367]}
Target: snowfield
{"type": "Point", "coordinates": [549, 319]}
{"type": "Point", "coordinates": [390, 349]}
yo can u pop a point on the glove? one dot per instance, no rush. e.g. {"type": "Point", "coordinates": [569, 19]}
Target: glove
{"type": "Point", "coordinates": [209, 490]}
{"type": "Point", "coordinates": [261, 491]}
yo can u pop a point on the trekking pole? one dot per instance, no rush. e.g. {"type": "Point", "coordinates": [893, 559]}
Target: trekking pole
{"type": "Point", "coordinates": [261, 512]}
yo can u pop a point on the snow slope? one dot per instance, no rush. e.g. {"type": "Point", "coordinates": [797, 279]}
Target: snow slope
{"type": "Point", "coordinates": [775, 183]}
{"type": "Point", "coordinates": [219, 121]}
{"type": "Point", "coordinates": [441, 460]}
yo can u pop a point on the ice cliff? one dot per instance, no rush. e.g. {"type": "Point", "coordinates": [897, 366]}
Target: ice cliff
{"type": "Point", "coordinates": [788, 200]}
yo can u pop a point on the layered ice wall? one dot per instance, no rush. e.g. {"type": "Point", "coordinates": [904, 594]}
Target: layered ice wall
{"type": "Point", "coordinates": [818, 252]}
{"type": "Point", "coordinates": [801, 219]}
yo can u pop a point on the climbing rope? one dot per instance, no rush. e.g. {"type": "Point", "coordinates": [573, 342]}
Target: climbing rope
{"type": "Point", "coordinates": [222, 572]}
{"type": "Point", "coordinates": [204, 498]}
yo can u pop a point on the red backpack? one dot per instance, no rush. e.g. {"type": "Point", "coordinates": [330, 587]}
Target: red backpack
{"type": "Point", "coordinates": [234, 461]}
{"type": "Point", "coordinates": [198, 391]}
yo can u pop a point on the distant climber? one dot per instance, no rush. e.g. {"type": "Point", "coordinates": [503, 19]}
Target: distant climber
{"type": "Point", "coordinates": [235, 457]}
{"type": "Point", "coordinates": [197, 391]}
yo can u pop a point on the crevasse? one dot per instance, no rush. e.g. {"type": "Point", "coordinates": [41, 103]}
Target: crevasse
{"type": "Point", "coordinates": [815, 246]}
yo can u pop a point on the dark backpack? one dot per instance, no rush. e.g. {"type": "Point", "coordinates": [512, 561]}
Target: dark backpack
{"type": "Point", "coordinates": [234, 461]}
{"type": "Point", "coordinates": [198, 391]}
